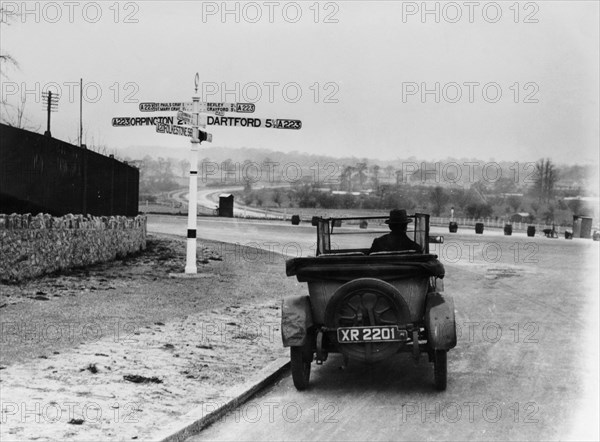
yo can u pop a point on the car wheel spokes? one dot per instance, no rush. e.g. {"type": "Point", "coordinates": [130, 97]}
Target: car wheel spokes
{"type": "Point", "coordinates": [367, 308]}
{"type": "Point", "coordinates": [367, 302]}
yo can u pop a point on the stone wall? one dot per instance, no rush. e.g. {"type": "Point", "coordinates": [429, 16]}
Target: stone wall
{"type": "Point", "coordinates": [33, 245]}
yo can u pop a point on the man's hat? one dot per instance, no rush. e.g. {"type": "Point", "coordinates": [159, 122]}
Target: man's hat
{"type": "Point", "coordinates": [398, 216]}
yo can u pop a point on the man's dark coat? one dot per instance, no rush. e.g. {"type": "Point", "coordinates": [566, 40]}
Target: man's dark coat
{"type": "Point", "coordinates": [394, 241]}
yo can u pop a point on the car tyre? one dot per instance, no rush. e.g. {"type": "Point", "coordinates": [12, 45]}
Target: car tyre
{"type": "Point", "coordinates": [440, 369]}
{"type": "Point", "coordinates": [300, 362]}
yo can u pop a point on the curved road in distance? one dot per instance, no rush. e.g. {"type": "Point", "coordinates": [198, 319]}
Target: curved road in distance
{"type": "Point", "coordinates": [205, 200]}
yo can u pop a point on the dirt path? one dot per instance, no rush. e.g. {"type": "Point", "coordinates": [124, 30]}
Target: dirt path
{"type": "Point", "coordinates": [118, 350]}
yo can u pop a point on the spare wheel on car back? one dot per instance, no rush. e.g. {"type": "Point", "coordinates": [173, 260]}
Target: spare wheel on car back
{"type": "Point", "coordinates": [366, 318]}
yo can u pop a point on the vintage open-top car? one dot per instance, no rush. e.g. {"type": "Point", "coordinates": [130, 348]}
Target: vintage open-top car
{"type": "Point", "coordinates": [367, 306]}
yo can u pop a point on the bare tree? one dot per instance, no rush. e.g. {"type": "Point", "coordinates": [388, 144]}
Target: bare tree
{"type": "Point", "coordinates": [399, 177]}
{"type": "Point", "coordinates": [346, 178]}
{"type": "Point", "coordinates": [164, 168]}
{"type": "Point", "coordinates": [278, 197]}
{"type": "Point", "coordinates": [389, 170]}
{"type": "Point", "coordinates": [480, 188]}
{"type": "Point", "coordinates": [14, 116]}
{"type": "Point", "coordinates": [514, 202]}
{"type": "Point", "coordinates": [9, 115]}
{"type": "Point", "coordinates": [439, 198]}
{"type": "Point", "coordinates": [375, 175]}
{"type": "Point", "coordinates": [94, 145]}
{"type": "Point", "coordinates": [545, 179]}
{"type": "Point", "coordinates": [184, 167]}
{"type": "Point", "coordinates": [548, 215]}
{"type": "Point", "coordinates": [575, 206]}
{"type": "Point", "coordinates": [5, 58]}
{"type": "Point", "coordinates": [228, 169]}
{"type": "Point", "coordinates": [360, 169]}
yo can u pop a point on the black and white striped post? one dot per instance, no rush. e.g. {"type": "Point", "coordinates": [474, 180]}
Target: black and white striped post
{"type": "Point", "coordinates": [190, 263]}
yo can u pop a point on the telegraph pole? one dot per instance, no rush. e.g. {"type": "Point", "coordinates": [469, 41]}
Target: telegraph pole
{"type": "Point", "coordinates": [51, 102]}
{"type": "Point", "coordinates": [80, 111]}
{"type": "Point", "coordinates": [48, 119]}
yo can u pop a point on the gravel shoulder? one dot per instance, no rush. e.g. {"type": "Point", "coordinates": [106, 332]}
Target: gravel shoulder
{"type": "Point", "coordinates": [119, 350]}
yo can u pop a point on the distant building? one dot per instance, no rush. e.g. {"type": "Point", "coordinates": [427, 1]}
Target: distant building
{"type": "Point", "coordinates": [521, 217]}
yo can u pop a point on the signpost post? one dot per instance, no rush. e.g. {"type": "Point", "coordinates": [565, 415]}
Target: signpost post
{"type": "Point", "coordinates": [190, 261]}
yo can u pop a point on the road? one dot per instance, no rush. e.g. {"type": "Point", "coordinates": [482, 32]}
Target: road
{"type": "Point", "coordinates": [206, 199]}
{"type": "Point", "coordinates": [275, 236]}
{"type": "Point", "coordinates": [525, 367]}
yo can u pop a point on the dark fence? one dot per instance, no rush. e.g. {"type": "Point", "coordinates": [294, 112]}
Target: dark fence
{"type": "Point", "coordinates": [43, 174]}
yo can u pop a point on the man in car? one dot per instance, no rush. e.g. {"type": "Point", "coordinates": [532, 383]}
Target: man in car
{"type": "Point", "coordinates": [396, 240]}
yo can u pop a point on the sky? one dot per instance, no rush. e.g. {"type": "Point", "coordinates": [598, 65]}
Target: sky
{"type": "Point", "coordinates": [489, 80]}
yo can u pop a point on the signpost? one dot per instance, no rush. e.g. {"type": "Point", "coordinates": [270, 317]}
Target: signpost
{"type": "Point", "coordinates": [243, 108]}
{"type": "Point", "coordinates": [173, 129]}
{"type": "Point", "coordinates": [189, 121]}
{"type": "Point", "coordinates": [139, 121]}
{"type": "Point", "coordinates": [254, 122]}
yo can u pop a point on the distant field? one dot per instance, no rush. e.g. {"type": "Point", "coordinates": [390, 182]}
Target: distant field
{"type": "Point", "coordinates": [309, 213]}
{"type": "Point", "coordinates": [175, 207]}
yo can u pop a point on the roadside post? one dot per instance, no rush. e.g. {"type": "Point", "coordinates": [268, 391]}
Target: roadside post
{"type": "Point", "coordinates": [190, 261]}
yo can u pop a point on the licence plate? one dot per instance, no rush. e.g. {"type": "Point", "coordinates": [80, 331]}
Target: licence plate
{"type": "Point", "coordinates": [385, 333]}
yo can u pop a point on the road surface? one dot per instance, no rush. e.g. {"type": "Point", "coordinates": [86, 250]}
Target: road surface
{"type": "Point", "coordinates": [207, 199]}
{"type": "Point", "coordinates": [525, 367]}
